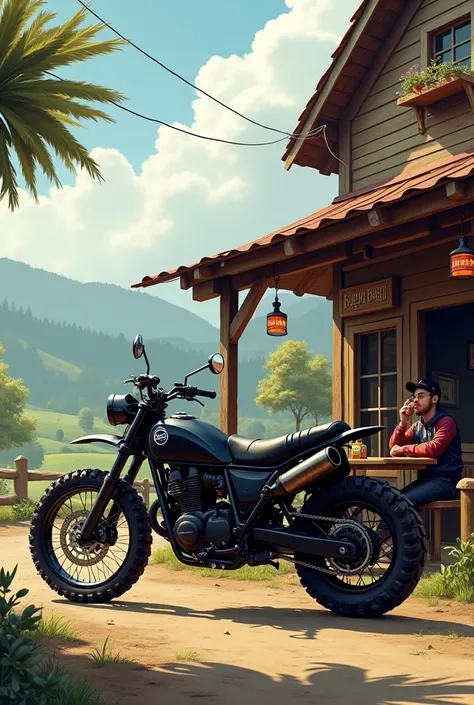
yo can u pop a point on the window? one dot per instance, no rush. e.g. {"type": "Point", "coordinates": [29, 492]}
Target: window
{"type": "Point", "coordinates": [453, 43]}
{"type": "Point", "coordinates": [378, 381]}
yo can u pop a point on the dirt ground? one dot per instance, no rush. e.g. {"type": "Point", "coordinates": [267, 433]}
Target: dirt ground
{"type": "Point", "coordinates": [257, 643]}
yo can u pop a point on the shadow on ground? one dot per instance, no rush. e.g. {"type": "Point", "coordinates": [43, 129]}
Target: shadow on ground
{"type": "Point", "coordinates": [301, 623]}
{"type": "Point", "coordinates": [182, 684]}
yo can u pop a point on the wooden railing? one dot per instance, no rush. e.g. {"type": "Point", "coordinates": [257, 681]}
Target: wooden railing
{"type": "Point", "coordinates": [21, 477]}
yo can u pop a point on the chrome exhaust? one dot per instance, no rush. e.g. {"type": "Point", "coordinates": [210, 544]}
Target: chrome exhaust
{"type": "Point", "coordinates": [305, 473]}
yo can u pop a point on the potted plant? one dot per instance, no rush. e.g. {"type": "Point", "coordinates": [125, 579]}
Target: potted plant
{"type": "Point", "coordinates": [436, 73]}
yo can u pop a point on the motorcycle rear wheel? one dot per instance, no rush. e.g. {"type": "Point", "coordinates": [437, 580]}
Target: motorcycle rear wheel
{"type": "Point", "coordinates": [406, 558]}
{"type": "Point", "coordinates": [66, 496]}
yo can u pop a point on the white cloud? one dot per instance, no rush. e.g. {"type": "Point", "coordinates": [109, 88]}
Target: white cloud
{"type": "Point", "coordinates": [191, 197]}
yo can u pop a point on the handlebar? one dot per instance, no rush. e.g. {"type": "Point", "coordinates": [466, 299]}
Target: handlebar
{"type": "Point", "coordinates": [203, 393]}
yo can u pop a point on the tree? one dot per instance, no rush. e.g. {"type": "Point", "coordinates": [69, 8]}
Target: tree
{"type": "Point", "coordinates": [36, 106]}
{"type": "Point", "coordinates": [86, 419]}
{"type": "Point", "coordinates": [59, 434]}
{"type": "Point", "coordinates": [16, 428]}
{"type": "Point", "coordinates": [33, 451]}
{"type": "Point", "coordinates": [296, 382]}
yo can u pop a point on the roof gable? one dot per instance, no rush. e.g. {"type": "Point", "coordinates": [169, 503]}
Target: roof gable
{"type": "Point", "coordinates": [352, 62]}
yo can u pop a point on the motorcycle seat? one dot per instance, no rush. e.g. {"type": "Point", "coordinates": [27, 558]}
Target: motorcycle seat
{"type": "Point", "coordinates": [274, 451]}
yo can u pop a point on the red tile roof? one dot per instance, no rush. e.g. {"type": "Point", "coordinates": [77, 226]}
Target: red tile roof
{"type": "Point", "coordinates": [455, 167]}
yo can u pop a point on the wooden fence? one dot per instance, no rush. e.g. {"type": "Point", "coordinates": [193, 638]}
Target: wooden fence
{"type": "Point", "coordinates": [21, 477]}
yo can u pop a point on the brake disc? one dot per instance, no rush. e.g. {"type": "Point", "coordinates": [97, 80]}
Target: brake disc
{"type": "Point", "coordinates": [86, 555]}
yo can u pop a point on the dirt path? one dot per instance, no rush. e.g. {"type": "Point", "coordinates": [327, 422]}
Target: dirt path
{"type": "Point", "coordinates": [254, 643]}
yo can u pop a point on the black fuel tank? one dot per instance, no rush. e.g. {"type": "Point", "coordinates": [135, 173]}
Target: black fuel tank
{"type": "Point", "coordinates": [188, 440]}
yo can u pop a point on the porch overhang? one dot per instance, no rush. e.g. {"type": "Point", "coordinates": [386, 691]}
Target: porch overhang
{"type": "Point", "coordinates": [410, 210]}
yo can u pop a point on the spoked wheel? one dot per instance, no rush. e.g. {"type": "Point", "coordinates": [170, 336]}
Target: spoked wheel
{"type": "Point", "coordinates": [390, 540]}
{"type": "Point", "coordinates": [112, 562]}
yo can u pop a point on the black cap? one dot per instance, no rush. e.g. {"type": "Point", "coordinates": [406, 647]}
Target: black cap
{"type": "Point", "coordinates": [428, 384]}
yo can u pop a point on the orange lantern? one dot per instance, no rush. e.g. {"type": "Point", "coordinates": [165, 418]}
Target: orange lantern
{"type": "Point", "coordinates": [277, 321]}
{"type": "Point", "coordinates": [462, 259]}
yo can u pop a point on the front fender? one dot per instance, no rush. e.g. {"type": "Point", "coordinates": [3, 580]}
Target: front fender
{"type": "Point", "coordinates": [108, 438]}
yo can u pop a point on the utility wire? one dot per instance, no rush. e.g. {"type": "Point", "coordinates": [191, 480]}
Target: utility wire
{"type": "Point", "coordinates": [192, 85]}
{"type": "Point", "coordinates": [195, 134]}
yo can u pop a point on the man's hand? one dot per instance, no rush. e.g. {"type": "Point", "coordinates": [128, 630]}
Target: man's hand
{"type": "Point", "coordinates": [397, 452]}
{"type": "Point", "coordinates": [406, 412]}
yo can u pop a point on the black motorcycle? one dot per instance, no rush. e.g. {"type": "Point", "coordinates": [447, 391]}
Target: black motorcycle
{"type": "Point", "coordinates": [223, 502]}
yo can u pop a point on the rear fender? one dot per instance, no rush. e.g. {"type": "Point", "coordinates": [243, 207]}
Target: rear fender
{"type": "Point", "coordinates": [107, 438]}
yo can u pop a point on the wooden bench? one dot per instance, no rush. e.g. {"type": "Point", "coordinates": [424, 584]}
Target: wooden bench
{"type": "Point", "coordinates": [435, 538]}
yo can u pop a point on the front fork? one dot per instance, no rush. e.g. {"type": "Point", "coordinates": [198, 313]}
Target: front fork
{"type": "Point", "coordinates": [112, 479]}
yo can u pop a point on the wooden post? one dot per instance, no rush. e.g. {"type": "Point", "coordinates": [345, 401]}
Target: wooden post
{"type": "Point", "coordinates": [229, 378]}
{"type": "Point", "coordinates": [146, 491]}
{"type": "Point", "coordinates": [338, 379]}
{"type": "Point", "coordinates": [21, 480]}
{"type": "Point", "coordinates": [466, 487]}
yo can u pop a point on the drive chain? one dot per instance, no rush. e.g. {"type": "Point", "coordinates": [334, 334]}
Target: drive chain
{"type": "Point", "coordinates": [331, 520]}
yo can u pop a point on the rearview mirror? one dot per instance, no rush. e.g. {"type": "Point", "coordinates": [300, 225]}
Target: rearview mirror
{"type": "Point", "coordinates": [138, 347]}
{"type": "Point", "coordinates": [216, 363]}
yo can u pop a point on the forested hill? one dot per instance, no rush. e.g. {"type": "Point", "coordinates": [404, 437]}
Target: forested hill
{"type": "Point", "coordinates": [67, 367]}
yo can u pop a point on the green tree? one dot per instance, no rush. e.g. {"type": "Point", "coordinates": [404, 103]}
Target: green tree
{"type": "Point", "coordinates": [59, 434]}
{"type": "Point", "coordinates": [297, 382]}
{"type": "Point", "coordinates": [36, 106]}
{"type": "Point", "coordinates": [86, 419]}
{"type": "Point", "coordinates": [16, 428]}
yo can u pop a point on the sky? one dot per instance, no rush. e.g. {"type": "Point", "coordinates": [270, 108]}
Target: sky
{"type": "Point", "coordinates": [169, 199]}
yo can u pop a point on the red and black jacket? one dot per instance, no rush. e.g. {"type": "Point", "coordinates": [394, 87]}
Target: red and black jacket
{"type": "Point", "coordinates": [439, 438]}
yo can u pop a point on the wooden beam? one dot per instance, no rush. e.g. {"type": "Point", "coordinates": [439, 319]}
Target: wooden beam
{"type": "Point", "coordinates": [210, 289]}
{"type": "Point", "coordinates": [229, 377]}
{"type": "Point", "coordinates": [323, 95]}
{"type": "Point", "coordinates": [456, 190]}
{"type": "Point", "coordinates": [309, 278]}
{"type": "Point", "coordinates": [338, 253]}
{"type": "Point", "coordinates": [378, 217]}
{"type": "Point", "coordinates": [246, 311]}
{"type": "Point", "coordinates": [293, 246]}
{"type": "Point", "coordinates": [393, 236]}
{"type": "Point", "coordinates": [438, 237]}
{"type": "Point", "coordinates": [338, 380]}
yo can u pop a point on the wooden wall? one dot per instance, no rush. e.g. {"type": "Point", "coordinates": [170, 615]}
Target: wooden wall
{"type": "Point", "coordinates": [425, 285]}
{"type": "Point", "coordinates": [385, 140]}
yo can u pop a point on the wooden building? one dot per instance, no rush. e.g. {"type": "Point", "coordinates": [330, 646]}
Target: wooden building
{"type": "Point", "coordinates": [381, 250]}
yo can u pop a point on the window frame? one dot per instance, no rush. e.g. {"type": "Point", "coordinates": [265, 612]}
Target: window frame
{"type": "Point", "coordinates": [352, 410]}
{"type": "Point", "coordinates": [445, 21]}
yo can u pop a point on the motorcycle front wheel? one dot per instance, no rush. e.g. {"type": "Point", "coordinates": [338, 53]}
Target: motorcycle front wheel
{"type": "Point", "coordinates": [104, 568]}
{"type": "Point", "coordinates": [391, 540]}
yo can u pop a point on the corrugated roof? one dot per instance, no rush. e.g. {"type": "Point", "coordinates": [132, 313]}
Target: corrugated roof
{"type": "Point", "coordinates": [457, 167]}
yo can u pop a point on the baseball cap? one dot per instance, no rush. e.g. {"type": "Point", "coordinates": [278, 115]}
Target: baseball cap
{"type": "Point", "coordinates": [428, 384]}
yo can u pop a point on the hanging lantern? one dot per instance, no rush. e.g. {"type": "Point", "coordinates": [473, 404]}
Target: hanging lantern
{"type": "Point", "coordinates": [277, 321]}
{"type": "Point", "coordinates": [462, 259]}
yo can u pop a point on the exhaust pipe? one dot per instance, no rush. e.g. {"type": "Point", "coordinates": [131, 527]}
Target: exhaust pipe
{"type": "Point", "coordinates": [308, 471]}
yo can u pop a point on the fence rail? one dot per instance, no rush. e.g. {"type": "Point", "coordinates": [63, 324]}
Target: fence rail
{"type": "Point", "coordinates": [21, 477]}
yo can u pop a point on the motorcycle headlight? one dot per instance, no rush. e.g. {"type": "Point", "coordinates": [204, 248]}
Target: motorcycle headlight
{"type": "Point", "coordinates": [121, 408]}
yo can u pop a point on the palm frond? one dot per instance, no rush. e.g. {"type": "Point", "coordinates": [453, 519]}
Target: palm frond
{"type": "Point", "coordinates": [35, 111]}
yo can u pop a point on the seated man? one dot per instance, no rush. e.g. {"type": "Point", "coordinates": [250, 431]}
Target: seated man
{"type": "Point", "coordinates": [435, 435]}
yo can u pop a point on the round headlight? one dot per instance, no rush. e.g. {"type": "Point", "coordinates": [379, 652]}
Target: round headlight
{"type": "Point", "coordinates": [121, 408]}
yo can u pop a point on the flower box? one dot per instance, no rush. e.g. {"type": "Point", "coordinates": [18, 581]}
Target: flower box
{"type": "Point", "coordinates": [430, 94]}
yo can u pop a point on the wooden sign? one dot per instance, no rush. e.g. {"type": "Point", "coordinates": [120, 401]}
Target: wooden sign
{"type": "Point", "coordinates": [366, 298]}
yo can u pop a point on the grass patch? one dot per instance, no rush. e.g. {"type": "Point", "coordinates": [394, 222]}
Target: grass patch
{"type": "Point", "coordinates": [165, 556]}
{"type": "Point", "coordinates": [6, 514]}
{"type": "Point", "coordinates": [187, 656]}
{"type": "Point", "coordinates": [431, 587]}
{"type": "Point", "coordinates": [74, 691]}
{"type": "Point", "coordinates": [106, 657]}
{"type": "Point", "coordinates": [418, 652]}
{"type": "Point", "coordinates": [455, 635]}
{"type": "Point", "coordinates": [56, 627]}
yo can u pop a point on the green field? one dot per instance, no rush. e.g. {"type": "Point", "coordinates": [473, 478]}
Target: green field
{"type": "Point", "coordinates": [57, 365]}
{"type": "Point", "coordinates": [68, 462]}
{"type": "Point", "coordinates": [48, 422]}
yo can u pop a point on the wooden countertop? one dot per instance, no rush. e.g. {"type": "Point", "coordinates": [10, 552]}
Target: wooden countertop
{"type": "Point", "coordinates": [393, 462]}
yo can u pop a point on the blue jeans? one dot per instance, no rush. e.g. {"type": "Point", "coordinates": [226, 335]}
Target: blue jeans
{"type": "Point", "coordinates": [432, 489]}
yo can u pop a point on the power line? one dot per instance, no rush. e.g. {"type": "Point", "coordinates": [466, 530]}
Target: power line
{"type": "Point", "coordinates": [181, 78]}
{"type": "Point", "coordinates": [195, 134]}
